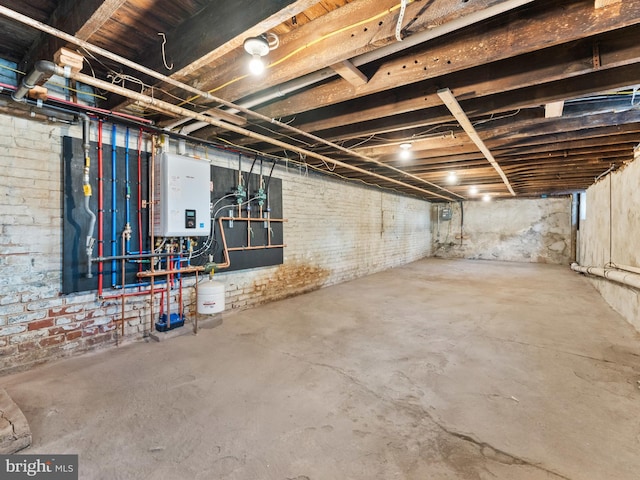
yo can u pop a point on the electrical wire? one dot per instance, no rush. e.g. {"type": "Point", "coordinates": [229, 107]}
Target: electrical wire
{"type": "Point", "coordinates": [164, 57]}
{"type": "Point", "coordinates": [310, 44]}
{"type": "Point", "coordinates": [12, 69]}
{"type": "Point", "coordinates": [302, 142]}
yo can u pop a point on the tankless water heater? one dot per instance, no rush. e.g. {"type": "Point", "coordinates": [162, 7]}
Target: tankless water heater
{"type": "Point", "coordinates": [182, 197]}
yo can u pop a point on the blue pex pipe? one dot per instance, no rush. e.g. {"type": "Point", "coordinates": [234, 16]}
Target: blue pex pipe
{"type": "Point", "coordinates": [114, 205]}
{"type": "Point", "coordinates": [127, 187]}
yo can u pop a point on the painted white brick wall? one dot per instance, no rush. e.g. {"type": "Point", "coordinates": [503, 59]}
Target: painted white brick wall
{"type": "Point", "coordinates": [336, 231]}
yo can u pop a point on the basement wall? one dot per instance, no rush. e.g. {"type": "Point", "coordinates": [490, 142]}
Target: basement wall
{"type": "Point", "coordinates": [515, 230]}
{"type": "Point", "coordinates": [336, 232]}
{"type": "Point", "coordinates": [610, 233]}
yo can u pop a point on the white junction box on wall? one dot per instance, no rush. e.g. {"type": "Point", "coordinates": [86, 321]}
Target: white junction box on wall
{"type": "Point", "coordinates": [182, 197]}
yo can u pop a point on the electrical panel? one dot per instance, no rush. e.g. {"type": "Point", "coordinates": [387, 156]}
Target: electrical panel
{"type": "Point", "coordinates": [182, 197]}
{"type": "Point", "coordinates": [446, 213]}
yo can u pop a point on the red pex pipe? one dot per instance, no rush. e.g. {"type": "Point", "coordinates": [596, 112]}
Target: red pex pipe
{"type": "Point", "coordinates": [100, 210]}
{"type": "Point", "coordinates": [140, 197]}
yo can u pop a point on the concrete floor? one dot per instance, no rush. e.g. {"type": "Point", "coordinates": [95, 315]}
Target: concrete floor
{"type": "Point", "coordinates": [439, 369]}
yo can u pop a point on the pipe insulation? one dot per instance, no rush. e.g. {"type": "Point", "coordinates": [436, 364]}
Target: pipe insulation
{"type": "Point", "coordinates": [234, 120]}
{"type": "Point", "coordinates": [159, 104]}
{"type": "Point", "coordinates": [625, 278]}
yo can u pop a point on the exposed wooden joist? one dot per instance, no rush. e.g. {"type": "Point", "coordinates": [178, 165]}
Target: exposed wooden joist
{"type": "Point", "coordinates": [79, 18]}
{"type": "Point", "coordinates": [454, 107]}
{"type": "Point", "coordinates": [223, 27]}
{"type": "Point", "coordinates": [350, 73]}
{"type": "Point", "coordinates": [197, 44]}
{"type": "Point", "coordinates": [560, 24]}
{"type": "Point", "coordinates": [354, 29]}
{"type": "Point", "coordinates": [497, 103]}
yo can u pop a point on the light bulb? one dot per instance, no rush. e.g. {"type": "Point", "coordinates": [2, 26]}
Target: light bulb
{"type": "Point", "coordinates": [452, 178]}
{"type": "Point", "coordinates": [405, 154]}
{"type": "Point", "coordinates": [256, 66]}
{"type": "Point", "coordinates": [473, 190]}
{"type": "Point", "coordinates": [486, 198]}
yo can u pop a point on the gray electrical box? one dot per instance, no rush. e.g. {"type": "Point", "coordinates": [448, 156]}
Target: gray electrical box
{"type": "Point", "coordinates": [446, 213]}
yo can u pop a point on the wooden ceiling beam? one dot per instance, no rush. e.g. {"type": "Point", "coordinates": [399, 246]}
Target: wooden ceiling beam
{"type": "Point", "coordinates": [218, 30]}
{"type": "Point", "coordinates": [494, 104]}
{"type": "Point", "coordinates": [557, 25]}
{"type": "Point", "coordinates": [538, 68]}
{"type": "Point", "coordinates": [351, 30]}
{"type": "Point", "coordinates": [223, 27]}
{"type": "Point", "coordinates": [504, 135]}
{"type": "Point", "coordinates": [79, 18]}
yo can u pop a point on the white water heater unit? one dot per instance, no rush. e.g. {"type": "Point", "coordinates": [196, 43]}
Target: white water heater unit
{"type": "Point", "coordinates": [182, 197]}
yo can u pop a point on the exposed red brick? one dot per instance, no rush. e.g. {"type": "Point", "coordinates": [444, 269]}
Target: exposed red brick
{"type": "Point", "coordinates": [46, 323]}
{"type": "Point", "coordinates": [48, 341]}
{"type": "Point", "coordinates": [74, 334]}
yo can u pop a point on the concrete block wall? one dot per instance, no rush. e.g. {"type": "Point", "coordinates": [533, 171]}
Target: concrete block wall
{"type": "Point", "coordinates": [336, 232]}
{"type": "Point", "coordinates": [516, 230]}
{"type": "Point", "coordinates": [610, 232]}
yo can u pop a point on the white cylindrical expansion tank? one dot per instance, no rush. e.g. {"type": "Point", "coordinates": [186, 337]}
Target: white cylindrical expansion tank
{"type": "Point", "coordinates": [210, 297]}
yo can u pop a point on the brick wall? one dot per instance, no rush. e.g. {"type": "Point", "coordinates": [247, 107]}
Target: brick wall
{"type": "Point", "coordinates": [336, 232]}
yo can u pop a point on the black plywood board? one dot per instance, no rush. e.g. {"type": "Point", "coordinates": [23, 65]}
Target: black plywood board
{"type": "Point", "coordinates": [76, 220]}
{"type": "Point", "coordinates": [224, 181]}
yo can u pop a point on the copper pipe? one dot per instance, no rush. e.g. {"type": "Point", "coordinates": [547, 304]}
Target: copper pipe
{"type": "Point", "coordinates": [259, 247]}
{"type": "Point", "coordinates": [252, 219]}
{"type": "Point", "coordinates": [123, 275]}
{"type": "Point", "coordinates": [151, 203]}
{"type": "Point", "coordinates": [225, 248]}
{"type": "Point", "coordinates": [169, 297]}
{"type": "Point", "coordinates": [130, 294]}
{"type": "Point", "coordinates": [195, 325]}
{"type": "Point", "coordinates": [157, 273]}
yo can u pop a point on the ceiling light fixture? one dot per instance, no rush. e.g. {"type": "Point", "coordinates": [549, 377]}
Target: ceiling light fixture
{"type": "Point", "coordinates": [405, 153]}
{"type": "Point", "coordinates": [452, 178]}
{"type": "Point", "coordinates": [257, 47]}
{"type": "Point", "coordinates": [486, 197]}
{"type": "Point", "coordinates": [473, 190]}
